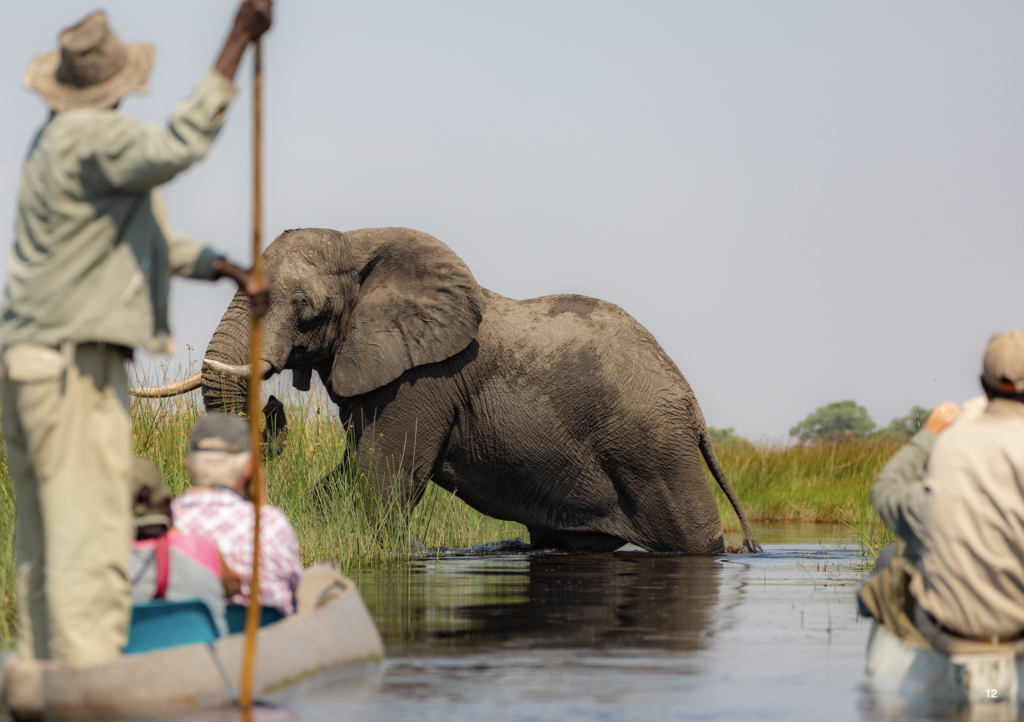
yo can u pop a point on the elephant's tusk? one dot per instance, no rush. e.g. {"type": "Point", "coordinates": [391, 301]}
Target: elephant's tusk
{"type": "Point", "coordinates": [241, 370]}
{"type": "Point", "coordinates": [172, 389]}
{"type": "Point", "coordinates": [195, 380]}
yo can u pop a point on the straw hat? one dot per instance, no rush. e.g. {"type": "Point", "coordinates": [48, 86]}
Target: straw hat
{"type": "Point", "coordinates": [92, 69]}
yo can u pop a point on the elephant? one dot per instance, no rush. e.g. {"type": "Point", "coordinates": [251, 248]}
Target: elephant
{"type": "Point", "coordinates": [562, 412]}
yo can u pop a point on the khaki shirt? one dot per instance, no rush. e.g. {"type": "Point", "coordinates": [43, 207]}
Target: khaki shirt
{"type": "Point", "coordinates": [93, 253]}
{"type": "Point", "coordinates": [898, 493]}
{"type": "Point", "coordinates": [971, 573]}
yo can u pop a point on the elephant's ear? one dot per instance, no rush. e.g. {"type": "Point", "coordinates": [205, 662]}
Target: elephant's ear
{"type": "Point", "coordinates": [417, 303]}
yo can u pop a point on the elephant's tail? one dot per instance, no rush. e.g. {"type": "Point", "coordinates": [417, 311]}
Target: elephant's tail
{"type": "Point", "coordinates": [708, 449]}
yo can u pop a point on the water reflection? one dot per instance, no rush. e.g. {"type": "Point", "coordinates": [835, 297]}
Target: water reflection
{"type": "Point", "coordinates": [566, 600]}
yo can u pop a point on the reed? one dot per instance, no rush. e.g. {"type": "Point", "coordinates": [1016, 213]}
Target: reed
{"type": "Point", "coordinates": [8, 517]}
{"type": "Point", "coordinates": [354, 519]}
{"type": "Point", "coordinates": [828, 482]}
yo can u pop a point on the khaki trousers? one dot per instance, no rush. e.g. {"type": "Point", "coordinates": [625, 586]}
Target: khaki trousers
{"type": "Point", "coordinates": [67, 433]}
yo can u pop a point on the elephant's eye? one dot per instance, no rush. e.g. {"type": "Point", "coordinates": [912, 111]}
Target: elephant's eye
{"type": "Point", "coordinates": [303, 307]}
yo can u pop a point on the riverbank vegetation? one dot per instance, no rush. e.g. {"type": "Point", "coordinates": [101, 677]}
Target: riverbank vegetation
{"type": "Point", "coordinates": [825, 481]}
{"type": "Point", "coordinates": [352, 520]}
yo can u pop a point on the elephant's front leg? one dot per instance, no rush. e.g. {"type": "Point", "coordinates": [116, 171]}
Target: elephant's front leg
{"type": "Point", "coordinates": [398, 443]}
{"type": "Point", "coordinates": [394, 466]}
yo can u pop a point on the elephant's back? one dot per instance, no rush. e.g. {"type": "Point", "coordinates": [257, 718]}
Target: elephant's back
{"type": "Point", "coordinates": [556, 324]}
{"type": "Point", "coordinates": [582, 340]}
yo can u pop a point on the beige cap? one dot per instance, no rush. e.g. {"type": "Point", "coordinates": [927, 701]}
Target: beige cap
{"type": "Point", "coordinates": [92, 68]}
{"type": "Point", "coordinates": [1004, 361]}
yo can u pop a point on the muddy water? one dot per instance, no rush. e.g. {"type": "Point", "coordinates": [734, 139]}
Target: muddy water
{"type": "Point", "coordinates": [620, 636]}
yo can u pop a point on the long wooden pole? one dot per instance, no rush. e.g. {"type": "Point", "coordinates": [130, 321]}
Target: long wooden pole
{"type": "Point", "coordinates": [252, 617]}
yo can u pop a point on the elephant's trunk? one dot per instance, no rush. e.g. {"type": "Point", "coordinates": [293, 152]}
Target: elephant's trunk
{"type": "Point", "coordinates": [225, 375]}
{"type": "Point", "coordinates": [223, 388]}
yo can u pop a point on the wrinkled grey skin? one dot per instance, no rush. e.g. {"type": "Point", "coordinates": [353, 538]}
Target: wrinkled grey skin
{"type": "Point", "coordinates": [562, 412]}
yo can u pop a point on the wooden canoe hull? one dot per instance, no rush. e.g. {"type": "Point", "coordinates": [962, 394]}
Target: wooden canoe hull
{"type": "Point", "coordinates": [200, 676]}
{"type": "Point", "coordinates": [917, 674]}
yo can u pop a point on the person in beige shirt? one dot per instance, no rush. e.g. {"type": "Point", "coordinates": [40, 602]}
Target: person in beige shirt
{"type": "Point", "coordinates": [970, 577]}
{"type": "Point", "coordinates": [88, 277]}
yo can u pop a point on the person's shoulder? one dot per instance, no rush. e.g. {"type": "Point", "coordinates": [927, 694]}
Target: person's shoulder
{"type": "Point", "coordinates": [198, 547]}
{"type": "Point", "coordinates": [273, 512]}
{"type": "Point", "coordinates": [960, 435]}
{"type": "Point", "coordinates": [189, 498]}
{"type": "Point", "coordinates": [207, 496]}
{"type": "Point", "coordinates": [1004, 412]}
{"type": "Point", "coordinates": [275, 518]}
{"type": "Point", "coordinates": [192, 539]}
{"type": "Point", "coordinates": [981, 435]}
{"type": "Point", "coordinates": [95, 131]}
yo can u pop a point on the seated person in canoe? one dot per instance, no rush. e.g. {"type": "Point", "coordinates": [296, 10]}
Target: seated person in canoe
{"type": "Point", "coordinates": [166, 564]}
{"type": "Point", "coordinates": [970, 579]}
{"type": "Point", "coordinates": [965, 595]}
{"type": "Point", "coordinates": [220, 463]}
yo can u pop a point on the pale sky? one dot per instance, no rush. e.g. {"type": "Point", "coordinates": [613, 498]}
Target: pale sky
{"type": "Point", "coordinates": [804, 202]}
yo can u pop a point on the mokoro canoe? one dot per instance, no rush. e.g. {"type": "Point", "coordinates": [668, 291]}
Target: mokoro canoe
{"type": "Point", "coordinates": [917, 674]}
{"type": "Point", "coordinates": [202, 676]}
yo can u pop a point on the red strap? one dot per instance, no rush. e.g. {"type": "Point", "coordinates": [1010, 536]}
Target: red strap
{"type": "Point", "coordinates": [163, 565]}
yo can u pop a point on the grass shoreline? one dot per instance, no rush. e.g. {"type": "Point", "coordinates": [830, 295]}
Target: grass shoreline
{"type": "Point", "coordinates": [829, 482]}
{"type": "Point", "coordinates": [775, 483]}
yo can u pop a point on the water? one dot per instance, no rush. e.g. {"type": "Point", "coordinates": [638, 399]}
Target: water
{"type": "Point", "coordinates": [620, 636]}
{"type": "Point", "coordinates": [627, 635]}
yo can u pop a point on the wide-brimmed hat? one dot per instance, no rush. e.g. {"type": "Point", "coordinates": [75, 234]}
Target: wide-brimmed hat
{"type": "Point", "coordinates": [1003, 367]}
{"type": "Point", "coordinates": [92, 68]}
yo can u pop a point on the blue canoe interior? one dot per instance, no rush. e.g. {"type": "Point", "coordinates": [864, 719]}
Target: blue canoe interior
{"type": "Point", "coordinates": [161, 624]}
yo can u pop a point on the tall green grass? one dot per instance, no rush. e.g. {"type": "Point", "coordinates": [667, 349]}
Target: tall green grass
{"type": "Point", "coordinates": [828, 482]}
{"type": "Point", "coordinates": [8, 517]}
{"type": "Point", "coordinates": [354, 519]}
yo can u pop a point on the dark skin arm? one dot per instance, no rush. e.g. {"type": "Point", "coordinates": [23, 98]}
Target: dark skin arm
{"type": "Point", "coordinates": [251, 21]}
{"type": "Point", "coordinates": [258, 292]}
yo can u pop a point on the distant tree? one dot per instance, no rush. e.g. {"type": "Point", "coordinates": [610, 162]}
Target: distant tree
{"type": "Point", "coordinates": [835, 421]}
{"type": "Point", "coordinates": [727, 437]}
{"type": "Point", "coordinates": [905, 427]}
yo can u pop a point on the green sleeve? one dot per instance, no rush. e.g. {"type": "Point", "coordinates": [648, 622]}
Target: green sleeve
{"type": "Point", "coordinates": [898, 493]}
{"type": "Point", "coordinates": [191, 258]}
{"type": "Point", "coordinates": [186, 256]}
{"type": "Point", "coordinates": [131, 156]}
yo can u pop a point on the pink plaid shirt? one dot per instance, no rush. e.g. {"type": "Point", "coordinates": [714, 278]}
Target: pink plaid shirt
{"type": "Point", "coordinates": [227, 518]}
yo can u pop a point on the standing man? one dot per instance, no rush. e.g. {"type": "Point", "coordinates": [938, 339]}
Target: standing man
{"type": "Point", "coordinates": [88, 281]}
